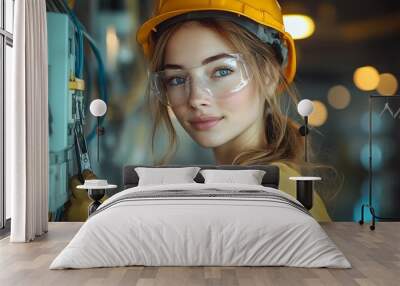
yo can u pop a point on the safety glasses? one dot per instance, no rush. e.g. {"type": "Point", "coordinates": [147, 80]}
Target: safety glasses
{"type": "Point", "coordinates": [221, 77]}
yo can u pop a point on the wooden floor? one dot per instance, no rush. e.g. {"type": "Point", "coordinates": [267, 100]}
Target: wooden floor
{"type": "Point", "coordinates": [374, 255]}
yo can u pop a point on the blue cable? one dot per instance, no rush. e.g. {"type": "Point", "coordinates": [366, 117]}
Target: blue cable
{"type": "Point", "coordinates": [79, 41]}
{"type": "Point", "coordinates": [81, 54]}
{"type": "Point", "coordinates": [80, 33]}
{"type": "Point", "coordinates": [102, 79]}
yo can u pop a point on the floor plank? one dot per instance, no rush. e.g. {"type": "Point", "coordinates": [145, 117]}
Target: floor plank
{"type": "Point", "coordinates": [374, 255]}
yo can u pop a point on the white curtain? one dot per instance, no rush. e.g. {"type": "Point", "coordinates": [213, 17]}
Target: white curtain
{"type": "Point", "coordinates": [27, 124]}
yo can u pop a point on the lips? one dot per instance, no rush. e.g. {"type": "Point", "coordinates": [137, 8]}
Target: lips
{"type": "Point", "coordinates": [205, 123]}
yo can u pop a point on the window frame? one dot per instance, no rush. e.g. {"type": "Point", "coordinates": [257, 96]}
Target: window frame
{"type": "Point", "coordinates": [6, 39]}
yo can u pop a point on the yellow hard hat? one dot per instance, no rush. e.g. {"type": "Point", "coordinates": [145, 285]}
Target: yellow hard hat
{"type": "Point", "coordinates": [265, 12]}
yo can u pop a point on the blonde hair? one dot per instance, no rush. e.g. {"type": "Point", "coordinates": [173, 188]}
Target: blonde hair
{"type": "Point", "coordinates": [284, 142]}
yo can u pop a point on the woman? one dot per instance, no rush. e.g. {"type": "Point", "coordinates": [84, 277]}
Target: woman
{"type": "Point", "coordinates": [223, 69]}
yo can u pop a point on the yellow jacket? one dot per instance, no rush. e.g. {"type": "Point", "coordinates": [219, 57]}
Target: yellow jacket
{"type": "Point", "coordinates": [318, 211]}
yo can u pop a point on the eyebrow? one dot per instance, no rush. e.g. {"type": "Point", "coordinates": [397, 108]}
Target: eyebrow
{"type": "Point", "coordinates": [205, 61]}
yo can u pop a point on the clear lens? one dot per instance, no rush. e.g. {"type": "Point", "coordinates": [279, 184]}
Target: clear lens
{"type": "Point", "coordinates": [219, 78]}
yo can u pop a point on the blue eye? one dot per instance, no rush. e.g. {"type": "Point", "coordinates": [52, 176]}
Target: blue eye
{"type": "Point", "coordinates": [223, 72]}
{"type": "Point", "coordinates": [175, 81]}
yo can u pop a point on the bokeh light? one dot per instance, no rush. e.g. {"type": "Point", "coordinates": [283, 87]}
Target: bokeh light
{"type": "Point", "coordinates": [319, 115]}
{"type": "Point", "coordinates": [377, 124]}
{"type": "Point", "coordinates": [377, 156]}
{"type": "Point", "coordinates": [299, 26]}
{"type": "Point", "coordinates": [387, 84]}
{"type": "Point", "coordinates": [113, 45]}
{"type": "Point", "coordinates": [366, 78]}
{"type": "Point", "coordinates": [339, 97]}
{"type": "Point", "coordinates": [377, 187]}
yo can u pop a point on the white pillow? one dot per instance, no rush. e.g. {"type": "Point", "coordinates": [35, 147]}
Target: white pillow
{"type": "Point", "coordinates": [162, 176]}
{"type": "Point", "coordinates": [249, 177]}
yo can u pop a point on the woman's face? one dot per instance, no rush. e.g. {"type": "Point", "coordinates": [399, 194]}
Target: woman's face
{"type": "Point", "coordinates": [211, 121]}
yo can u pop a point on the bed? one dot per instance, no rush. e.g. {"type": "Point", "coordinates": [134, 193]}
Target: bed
{"type": "Point", "coordinates": [201, 224]}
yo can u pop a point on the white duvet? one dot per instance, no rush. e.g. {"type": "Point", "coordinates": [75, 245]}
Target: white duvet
{"type": "Point", "coordinates": [200, 231]}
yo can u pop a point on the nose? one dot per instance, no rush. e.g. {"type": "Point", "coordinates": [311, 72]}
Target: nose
{"type": "Point", "coordinates": [198, 94]}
